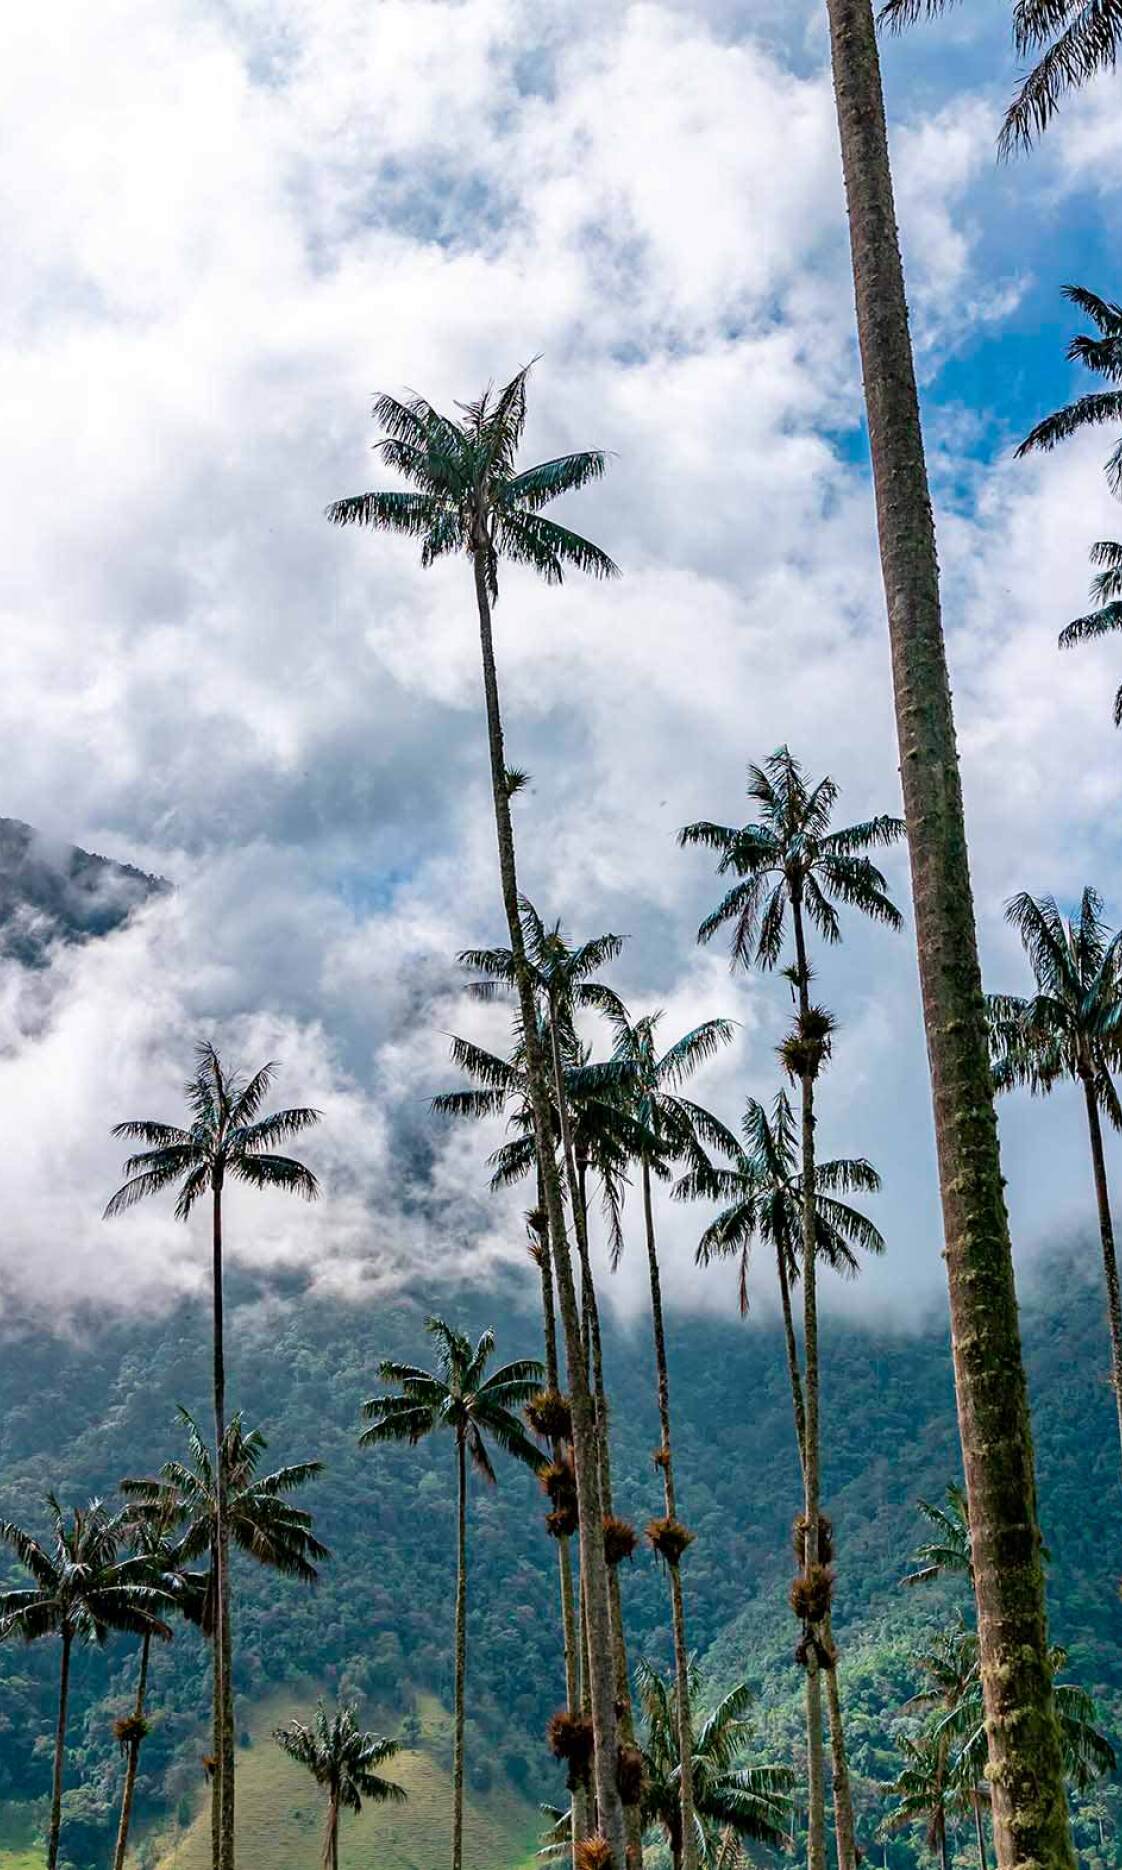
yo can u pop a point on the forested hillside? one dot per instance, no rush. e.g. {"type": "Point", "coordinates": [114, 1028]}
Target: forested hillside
{"type": "Point", "coordinates": [76, 1415]}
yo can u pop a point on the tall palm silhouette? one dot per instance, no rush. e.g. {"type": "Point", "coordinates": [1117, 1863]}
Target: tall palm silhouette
{"type": "Point", "coordinates": [477, 1408]}
{"type": "Point", "coordinates": [345, 1761]}
{"type": "Point", "coordinates": [227, 1139]}
{"type": "Point", "coordinates": [761, 1190]}
{"type": "Point", "coordinates": [923, 1790]}
{"type": "Point", "coordinates": [1070, 1031]}
{"type": "Point", "coordinates": [151, 1535]}
{"type": "Point", "coordinates": [594, 1132]}
{"type": "Point", "coordinates": [947, 1554]}
{"type": "Point", "coordinates": [468, 496]}
{"type": "Point", "coordinates": [81, 1590]}
{"type": "Point", "coordinates": [208, 1500]}
{"type": "Point", "coordinates": [948, 1664]}
{"type": "Point", "coordinates": [645, 1079]}
{"type": "Point", "coordinates": [791, 868]}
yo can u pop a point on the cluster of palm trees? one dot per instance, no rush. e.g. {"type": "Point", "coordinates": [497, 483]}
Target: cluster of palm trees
{"type": "Point", "coordinates": [943, 1759]}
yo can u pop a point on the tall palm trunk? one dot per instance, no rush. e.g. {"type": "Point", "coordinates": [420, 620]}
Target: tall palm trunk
{"type": "Point", "coordinates": [1106, 1238]}
{"type": "Point", "coordinates": [578, 1204]}
{"type": "Point", "coordinates": [331, 1832]}
{"type": "Point", "coordinates": [943, 1857]}
{"type": "Point", "coordinates": [133, 1756]}
{"type": "Point", "coordinates": [60, 1750]}
{"type": "Point", "coordinates": [815, 1767]}
{"type": "Point", "coordinates": [569, 1636]}
{"type": "Point", "coordinates": [979, 1827]}
{"type": "Point", "coordinates": [677, 1609]}
{"type": "Point", "coordinates": [461, 1658]}
{"type": "Point", "coordinates": [593, 1566]}
{"type": "Point", "coordinates": [844, 1825]}
{"type": "Point", "coordinates": [222, 1791]}
{"type": "Point", "coordinates": [1030, 1815]}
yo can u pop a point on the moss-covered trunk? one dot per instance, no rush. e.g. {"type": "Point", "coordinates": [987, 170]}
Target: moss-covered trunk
{"type": "Point", "coordinates": [1030, 1815]}
{"type": "Point", "coordinates": [132, 1757]}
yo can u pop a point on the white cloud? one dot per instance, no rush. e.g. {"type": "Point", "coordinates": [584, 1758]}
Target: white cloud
{"type": "Point", "coordinates": [225, 227]}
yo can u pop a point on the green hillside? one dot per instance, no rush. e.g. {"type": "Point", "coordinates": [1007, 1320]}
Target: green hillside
{"type": "Point", "coordinates": [77, 1415]}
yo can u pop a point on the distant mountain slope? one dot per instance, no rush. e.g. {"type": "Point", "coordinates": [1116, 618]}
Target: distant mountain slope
{"type": "Point", "coordinates": [53, 892]}
{"type": "Point", "coordinates": [79, 1414]}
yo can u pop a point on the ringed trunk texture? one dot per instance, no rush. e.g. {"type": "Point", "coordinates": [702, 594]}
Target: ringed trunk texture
{"type": "Point", "coordinates": [815, 1767]}
{"type": "Point", "coordinates": [1026, 1769]}
{"type": "Point", "coordinates": [461, 1658]}
{"type": "Point", "coordinates": [133, 1759]}
{"type": "Point", "coordinates": [601, 1656]}
{"type": "Point", "coordinates": [227, 1858]}
{"type": "Point", "coordinates": [60, 1751]}
{"type": "Point", "coordinates": [1106, 1238]}
{"type": "Point", "coordinates": [677, 1608]}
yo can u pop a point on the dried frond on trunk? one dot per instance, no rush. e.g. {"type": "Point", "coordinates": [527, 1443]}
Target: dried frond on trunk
{"type": "Point", "coordinates": [629, 1774]}
{"type": "Point", "coordinates": [594, 1854]}
{"type": "Point", "coordinates": [669, 1538]}
{"type": "Point", "coordinates": [571, 1739]}
{"type": "Point", "coordinates": [825, 1539]}
{"type": "Point", "coordinates": [620, 1540]}
{"type": "Point", "coordinates": [130, 1728]}
{"type": "Point", "coordinates": [812, 1592]}
{"type": "Point", "coordinates": [550, 1416]}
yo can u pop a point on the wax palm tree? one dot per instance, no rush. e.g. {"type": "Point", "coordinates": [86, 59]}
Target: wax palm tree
{"type": "Point", "coordinates": [923, 1790]}
{"type": "Point", "coordinates": [762, 1191]}
{"type": "Point", "coordinates": [477, 1408]}
{"type": "Point", "coordinates": [151, 1535]}
{"type": "Point", "coordinates": [1070, 1032]}
{"type": "Point", "coordinates": [344, 1761]}
{"type": "Point", "coordinates": [593, 1131]}
{"type": "Point", "coordinates": [227, 1139]}
{"type": "Point", "coordinates": [947, 1555]}
{"type": "Point", "coordinates": [948, 1665]}
{"type": "Point", "coordinates": [81, 1590]}
{"type": "Point", "coordinates": [468, 496]}
{"type": "Point", "coordinates": [730, 1792]}
{"type": "Point", "coordinates": [256, 1515]}
{"type": "Point", "coordinates": [1030, 1811]}
{"type": "Point", "coordinates": [645, 1080]}
{"type": "Point", "coordinates": [1086, 1752]}
{"type": "Point", "coordinates": [791, 867]}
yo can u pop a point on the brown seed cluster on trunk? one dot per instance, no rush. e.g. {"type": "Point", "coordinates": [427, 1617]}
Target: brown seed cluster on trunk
{"type": "Point", "coordinates": [669, 1538]}
{"type": "Point", "coordinates": [571, 1739]}
{"type": "Point", "coordinates": [620, 1539]}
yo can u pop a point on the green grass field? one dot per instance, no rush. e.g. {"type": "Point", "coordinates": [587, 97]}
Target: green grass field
{"type": "Point", "coordinates": [280, 1813]}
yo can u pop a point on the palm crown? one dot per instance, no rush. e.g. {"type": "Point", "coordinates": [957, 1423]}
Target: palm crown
{"type": "Point", "coordinates": [468, 493]}
{"type": "Point", "coordinates": [340, 1756]}
{"type": "Point", "coordinates": [762, 1189]}
{"type": "Point", "coordinates": [948, 1554]}
{"type": "Point", "coordinates": [260, 1517]}
{"type": "Point", "coordinates": [1102, 355]}
{"type": "Point", "coordinates": [729, 1792]}
{"type": "Point", "coordinates": [81, 1587]}
{"type": "Point", "coordinates": [791, 857]}
{"type": "Point", "coordinates": [1071, 1028]}
{"type": "Point", "coordinates": [227, 1137]}
{"type": "Point", "coordinates": [459, 1396]}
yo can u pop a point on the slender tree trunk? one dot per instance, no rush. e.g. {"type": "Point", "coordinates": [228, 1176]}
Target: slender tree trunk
{"type": "Point", "coordinates": [461, 1657]}
{"type": "Point", "coordinates": [132, 1757]}
{"type": "Point", "coordinates": [216, 1740]}
{"type": "Point", "coordinates": [1106, 1238]}
{"type": "Point", "coordinates": [330, 1858]}
{"type": "Point", "coordinates": [228, 1735]}
{"type": "Point", "coordinates": [979, 1827]}
{"type": "Point", "coordinates": [1026, 1768]}
{"type": "Point", "coordinates": [222, 1790]}
{"type": "Point", "coordinates": [569, 1636]}
{"type": "Point", "coordinates": [943, 1857]}
{"type": "Point", "coordinates": [593, 1566]}
{"type": "Point", "coordinates": [815, 1790]}
{"type": "Point", "coordinates": [844, 1826]}
{"type": "Point", "coordinates": [60, 1751]}
{"type": "Point", "coordinates": [677, 1609]}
